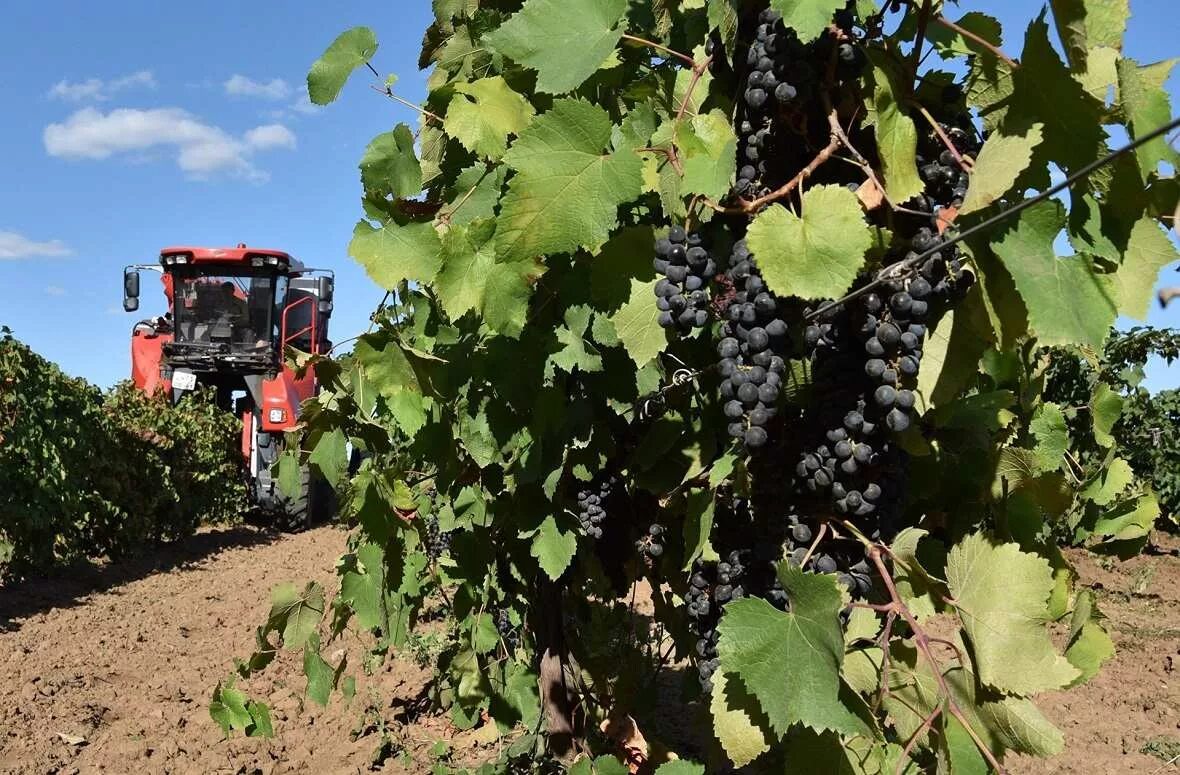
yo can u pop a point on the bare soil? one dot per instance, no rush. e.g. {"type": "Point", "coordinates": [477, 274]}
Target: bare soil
{"type": "Point", "coordinates": [110, 669]}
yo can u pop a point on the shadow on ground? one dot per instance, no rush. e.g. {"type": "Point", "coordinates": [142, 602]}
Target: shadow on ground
{"type": "Point", "coordinates": [67, 587]}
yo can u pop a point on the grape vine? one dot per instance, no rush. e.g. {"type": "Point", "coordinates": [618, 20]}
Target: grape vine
{"type": "Point", "coordinates": [815, 418]}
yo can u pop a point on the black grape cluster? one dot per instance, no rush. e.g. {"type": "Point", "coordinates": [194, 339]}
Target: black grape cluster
{"type": "Point", "coordinates": [780, 68]}
{"type": "Point", "coordinates": [751, 365]}
{"type": "Point", "coordinates": [508, 632]}
{"type": "Point", "coordinates": [593, 502]}
{"type": "Point", "coordinates": [650, 545]}
{"type": "Point", "coordinates": [946, 181]}
{"type": "Point", "coordinates": [681, 294]}
{"type": "Point", "coordinates": [710, 588]}
{"type": "Point", "coordinates": [437, 542]}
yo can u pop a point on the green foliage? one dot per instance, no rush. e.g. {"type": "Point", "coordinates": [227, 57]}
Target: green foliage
{"type": "Point", "coordinates": [87, 475]}
{"type": "Point", "coordinates": [521, 364]}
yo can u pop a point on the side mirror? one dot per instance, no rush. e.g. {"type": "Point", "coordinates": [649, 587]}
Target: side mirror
{"type": "Point", "coordinates": [131, 290]}
{"type": "Point", "coordinates": [326, 288]}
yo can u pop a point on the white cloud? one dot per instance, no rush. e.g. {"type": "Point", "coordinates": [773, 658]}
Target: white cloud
{"type": "Point", "coordinates": [13, 245]}
{"type": "Point", "coordinates": [203, 150]}
{"type": "Point", "coordinates": [243, 86]}
{"type": "Point", "coordinates": [271, 136]}
{"type": "Point", "coordinates": [55, 290]}
{"type": "Point", "coordinates": [98, 90]}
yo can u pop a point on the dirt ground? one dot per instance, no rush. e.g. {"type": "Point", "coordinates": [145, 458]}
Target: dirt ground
{"type": "Point", "coordinates": [111, 670]}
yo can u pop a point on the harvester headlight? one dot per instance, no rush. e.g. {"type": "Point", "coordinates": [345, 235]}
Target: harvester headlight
{"type": "Point", "coordinates": [278, 415]}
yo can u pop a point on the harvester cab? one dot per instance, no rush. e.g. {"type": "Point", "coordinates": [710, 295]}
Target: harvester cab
{"type": "Point", "coordinates": [232, 312]}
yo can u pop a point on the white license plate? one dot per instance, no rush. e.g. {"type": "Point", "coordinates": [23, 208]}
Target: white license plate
{"type": "Point", "coordinates": [184, 380]}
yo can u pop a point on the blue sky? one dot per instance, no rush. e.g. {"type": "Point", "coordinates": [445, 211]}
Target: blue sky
{"type": "Point", "coordinates": [135, 125]}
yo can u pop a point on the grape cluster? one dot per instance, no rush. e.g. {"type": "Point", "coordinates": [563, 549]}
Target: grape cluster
{"type": "Point", "coordinates": [437, 543]}
{"type": "Point", "coordinates": [593, 502]}
{"type": "Point", "coordinates": [946, 181]}
{"type": "Point", "coordinates": [651, 544]}
{"type": "Point", "coordinates": [750, 363]}
{"type": "Point", "coordinates": [509, 633]}
{"type": "Point", "coordinates": [681, 296]}
{"type": "Point", "coordinates": [710, 588]}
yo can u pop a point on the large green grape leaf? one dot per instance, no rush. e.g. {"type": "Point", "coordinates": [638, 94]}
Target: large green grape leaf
{"type": "Point", "coordinates": [393, 253]}
{"type": "Point", "coordinates": [897, 137]}
{"type": "Point", "coordinates": [475, 194]}
{"type": "Point", "coordinates": [565, 41]}
{"type": "Point", "coordinates": [1106, 407]}
{"type": "Point", "coordinates": [1052, 435]}
{"type": "Point", "coordinates": [1147, 108]}
{"type": "Point", "coordinates": [808, 17]}
{"type": "Point", "coordinates": [1111, 481]}
{"type": "Point", "coordinates": [389, 165]}
{"type": "Point", "coordinates": [1001, 595]}
{"type": "Point", "coordinates": [351, 49]}
{"type": "Point", "coordinates": [484, 113]}
{"type": "Point", "coordinates": [567, 190]}
{"type": "Point", "coordinates": [330, 455]}
{"type": "Point", "coordinates": [1001, 160]}
{"type": "Point", "coordinates": [296, 614]}
{"type": "Point", "coordinates": [734, 713]}
{"type": "Point", "coordinates": [1084, 25]}
{"type": "Point", "coordinates": [708, 146]}
{"type": "Point", "coordinates": [1124, 529]}
{"type": "Point", "coordinates": [1046, 92]}
{"type": "Point", "coordinates": [816, 256]}
{"type": "Point", "coordinates": [1148, 251]}
{"type": "Point", "coordinates": [1068, 302]}
{"type": "Point", "coordinates": [637, 326]}
{"type": "Point", "coordinates": [470, 279]}
{"type": "Point", "coordinates": [791, 661]}
{"type": "Point", "coordinates": [554, 548]}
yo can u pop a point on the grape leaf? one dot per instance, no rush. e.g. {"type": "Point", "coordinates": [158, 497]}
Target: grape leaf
{"type": "Point", "coordinates": [637, 326]}
{"type": "Point", "coordinates": [951, 44]}
{"type": "Point", "coordinates": [723, 15]}
{"type": "Point", "coordinates": [734, 714]}
{"type": "Point", "coordinates": [709, 149]}
{"type": "Point", "coordinates": [351, 49]}
{"type": "Point", "coordinates": [1089, 644]}
{"type": "Point", "coordinates": [389, 166]}
{"type": "Point", "coordinates": [1045, 91]}
{"type": "Point", "coordinates": [228, 708]}
{"type": "Point", "coordinates": [1109, 483]}
{"type": "Point", "coordinates": [484, 113]}
{"type": "Point", "coordinates": [1019, 725]}
{"type": "Point", "coordinates": [289, 475]}
{"type": "Point", "coordinates": [1052, 434]}
{"type": "Point", "coordinates": [474, 195]}
{"type": "Point", "coordinates": [914, 585]}
{"type": "Point", "coordinates": [1067, 301]}
{"type": "Point", "coordinates": [951, 352]}
{"type": "Point", "coordinates": [566, 191]}
{"type": "Point", "coordinates": [321, 678]}
{"type": "Point", "coordinates": [297, 614]}
{"type": "Point", "coordinates": [618, 263]}
{"type": "Point", "coordinates": [1147, 108]}
{"type": "Point", "coordinates": [816, 256]}
{"type": "Point", "coordinates": [897, 137]}
{"type": "Point", "coordinates": [791, 661]}
{"type": "Point", "coordinates": [576, 353]}
{"type": "Point", "coordinates": [361, 584]}
{"type": "Point", "coordinates": [554, 548]}
{"type": "Point", "coordinates": [1001, 160]}
{"type": "Point", "coordinates": [1148, 251]}
{"type": "Point", "coordinates": [393, 253]}
{"type": "Point", "coordinates": [565, 41]}
{"type": "Point", "coordinates": [680, 767]}
{"type": "Point", "coordinates": [808, 17]}
{"type": "Point", "coordinates": [962, 754]}
{"type": "Point", "coordinates": [470, 279]}
{"type": "Point", "coordinates": [1124, 529]}
{"type": "Point", "coordinates": [1001, 596]}
{"type": "Point", "coordinates": [330, 455]}
{"type": "Point", "coordinates": [1106, 407]}
{"type": "Point", "coordinates": [1084, 25]}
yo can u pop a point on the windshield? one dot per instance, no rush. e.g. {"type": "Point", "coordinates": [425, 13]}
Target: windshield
{"type": "Point", "coordinates": [233, 312]}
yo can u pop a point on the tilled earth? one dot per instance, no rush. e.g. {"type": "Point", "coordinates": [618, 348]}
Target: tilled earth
{"type": "Point", "coordinates": [111, 670]}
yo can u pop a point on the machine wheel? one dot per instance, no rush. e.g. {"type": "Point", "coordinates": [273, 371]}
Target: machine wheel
{"type": "Point", "coordinates": [296, 514]}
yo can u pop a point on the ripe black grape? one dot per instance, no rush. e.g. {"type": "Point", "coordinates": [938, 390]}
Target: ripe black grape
{"type": "Point", "coordinates": [683, 258]}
